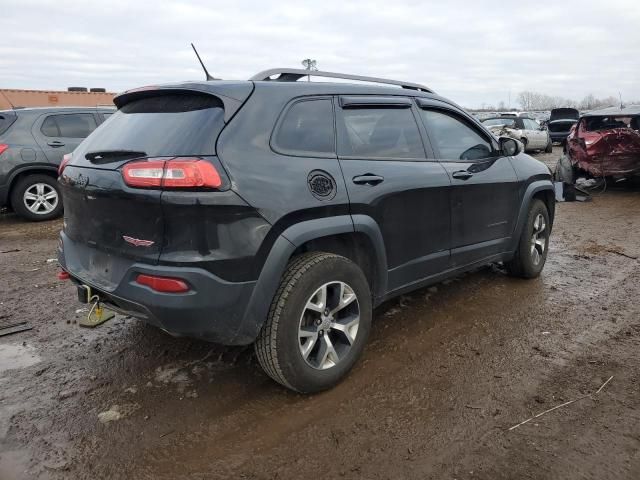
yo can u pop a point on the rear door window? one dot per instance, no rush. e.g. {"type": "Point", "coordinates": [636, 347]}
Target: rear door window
{"type": "Point", "coordinates": [379, 132]}
{"type": "Point", "coordinates": [454, 138]}
{"type": "Point", "coordinates": [69, 125]}
{"type": "Point", "coordinates": [307, 128]}
{"type": "Point", "coordinates": [162, 125]}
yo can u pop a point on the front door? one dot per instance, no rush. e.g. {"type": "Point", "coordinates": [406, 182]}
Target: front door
{"type": "Point", "coordinates": [484, 185]}
{"type": "Point", "coordinates": [390, 179]}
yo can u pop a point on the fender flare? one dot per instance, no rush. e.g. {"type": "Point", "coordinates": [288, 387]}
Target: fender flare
{"type": "Point", "coordinates": [283, 248]}
{"type": "Point", "coordinates": [26, 168]}
{"type": "Point", "coordinates": [532, 189]}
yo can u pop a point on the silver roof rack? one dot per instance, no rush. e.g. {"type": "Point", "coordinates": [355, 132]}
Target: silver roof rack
{"type": "Point", "coordinates": [293, 74]}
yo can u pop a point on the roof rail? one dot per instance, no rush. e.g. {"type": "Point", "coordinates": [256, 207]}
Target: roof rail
{"type": "Point", "coordinates": [293, 74]}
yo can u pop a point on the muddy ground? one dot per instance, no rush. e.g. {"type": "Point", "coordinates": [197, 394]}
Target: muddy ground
{"type": "Point", "coordinates": [448, 371]}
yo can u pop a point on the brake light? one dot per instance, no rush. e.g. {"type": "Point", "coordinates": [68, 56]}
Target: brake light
{"type": "Point", "coordinates": [3, 147]}
{"type": "Point", "coordinates": [163, 284]}
{"type": "Point", "coordinates": [65, 159]}
{"type": "Point", "coordinates": [179, 172]}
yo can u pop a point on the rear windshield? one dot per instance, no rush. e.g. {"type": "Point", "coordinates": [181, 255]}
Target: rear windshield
{"type": "Point", "coordinates": [5, 121]}
{"type": "Point", "coordinates": [606, 123]}
{"type": "Point", "coordinates": [164, 125]}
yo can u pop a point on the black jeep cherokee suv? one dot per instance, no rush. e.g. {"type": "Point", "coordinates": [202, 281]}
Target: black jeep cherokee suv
{"type": "Point", "coordinates": [33, 142]}
{"type": "Point", "coordinates": [283, 212]}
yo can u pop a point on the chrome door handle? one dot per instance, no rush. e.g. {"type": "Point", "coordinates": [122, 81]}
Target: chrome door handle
{"type": "Point", "coordinates": [368, 179]}
{"type": "Point", "coordinates": [462, 175]}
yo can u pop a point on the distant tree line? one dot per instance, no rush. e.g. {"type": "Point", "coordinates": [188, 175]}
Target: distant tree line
{"type": "Point", "coordinates": [539, 101]}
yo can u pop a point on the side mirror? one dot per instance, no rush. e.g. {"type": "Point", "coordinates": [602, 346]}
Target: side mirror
{"type": "Point", "coordinates": [510, 146]}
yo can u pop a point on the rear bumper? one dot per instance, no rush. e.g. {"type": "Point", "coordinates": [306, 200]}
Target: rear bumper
{"type": "Point", "coordinates": [213, 310]}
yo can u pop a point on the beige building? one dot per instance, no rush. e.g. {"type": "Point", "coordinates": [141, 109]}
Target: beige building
{"type": "Point", "coordinates": [42, 98]}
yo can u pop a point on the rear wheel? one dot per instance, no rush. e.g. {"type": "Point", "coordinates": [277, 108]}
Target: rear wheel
{"type": "Point", "coordinates": [549, 148]}
{"type": "Point", "coordinates": [37, 197]}
{"type": "Point", "coordinates": [318, 323]}
{"type": "Point", "coordinates": [533, 246]}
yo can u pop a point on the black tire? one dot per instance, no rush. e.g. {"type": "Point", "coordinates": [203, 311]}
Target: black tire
{"type": "Point", "coordinates": [26, 183]}
{"type": "Point", "coordinates": [523, 263]}
{"type": "Point", "coordinates": [549, 148]}
{"type": "Point", "coordinates": [278, 346]}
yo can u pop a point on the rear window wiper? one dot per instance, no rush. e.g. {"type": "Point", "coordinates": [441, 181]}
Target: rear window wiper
{"type": "Point", "coordinates": [105, 156]}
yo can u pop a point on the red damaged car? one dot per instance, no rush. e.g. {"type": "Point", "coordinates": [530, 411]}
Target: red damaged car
{"type": "Point", "coordinates": [606, 143]}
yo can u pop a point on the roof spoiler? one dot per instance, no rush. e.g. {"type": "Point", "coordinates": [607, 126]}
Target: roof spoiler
{"type": "Point", "coordinates": [232, 99]}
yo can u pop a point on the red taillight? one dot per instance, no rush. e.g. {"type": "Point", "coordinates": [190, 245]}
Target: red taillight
{"type": "Point", "coordinates": [163, 284]}
{"type": "Point", "coordinates": [65, 159]}
{"type": "Point", "coordinates": [179, 172]}
{"type": "Point", "coordinates": [3, 147]}
{"type": "Point", "coordinates": [62, 275]}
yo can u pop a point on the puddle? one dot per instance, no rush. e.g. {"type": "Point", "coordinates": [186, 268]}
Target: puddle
{"type": "Point", "coordinates": [14, 356]}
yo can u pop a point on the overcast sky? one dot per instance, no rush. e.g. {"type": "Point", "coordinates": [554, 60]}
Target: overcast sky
{"type": "Point", "coordinates": [474, 52]}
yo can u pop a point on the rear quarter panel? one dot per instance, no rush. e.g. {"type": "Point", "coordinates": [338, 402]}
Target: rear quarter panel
{"type": "Point", "coordinates": [273, 183]}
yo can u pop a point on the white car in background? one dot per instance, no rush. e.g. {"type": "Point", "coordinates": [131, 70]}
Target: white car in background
{"type": "Point", "coordinates": [528, 131]}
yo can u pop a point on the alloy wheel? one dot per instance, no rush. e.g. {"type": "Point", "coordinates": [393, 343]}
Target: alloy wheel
{"type": "Point", "coordinates": [40, 198]}
{"type": "Point", "coordinates": [538, 239]}
{"type": "Point", "coordinates": [328, 325]}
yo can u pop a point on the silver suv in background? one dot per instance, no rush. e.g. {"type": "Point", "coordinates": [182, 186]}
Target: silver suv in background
{"type": "Point", "coordinates": [33, 142]}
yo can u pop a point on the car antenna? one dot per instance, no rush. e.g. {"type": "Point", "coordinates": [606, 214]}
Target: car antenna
{"type": "Point", "coordinates": [206, 72]}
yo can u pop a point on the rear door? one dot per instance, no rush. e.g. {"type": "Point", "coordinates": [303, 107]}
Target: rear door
{"type": "Point", "coordinates": [390, 177]}
{"type": "Point", "coordinates": [484, 186]}
{"type": "Point", "coordinates": [60, 133]}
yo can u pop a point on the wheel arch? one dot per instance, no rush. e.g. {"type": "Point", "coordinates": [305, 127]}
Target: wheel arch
{"type": "Point", "coordinates": [22, 172]}
{"type": "Point", "coordinates": [357, 238]}
{"type": "Point", "coordinates": [540, 189]}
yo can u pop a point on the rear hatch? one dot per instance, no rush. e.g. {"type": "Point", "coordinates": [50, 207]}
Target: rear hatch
{"type": "Point", "coordinates": [562, 119]}
{"type": "Point", "coordinates": [113, 184]}
{"type": "Point", "coordinates": [564, 114]}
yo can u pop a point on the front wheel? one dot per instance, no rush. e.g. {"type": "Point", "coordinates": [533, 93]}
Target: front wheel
{"type": "Point", "coordinates": [549, 148]}
{"type": "Point", "coordinates": [533, 246]}
{"type": "Point", "coordinates": [318, 323]}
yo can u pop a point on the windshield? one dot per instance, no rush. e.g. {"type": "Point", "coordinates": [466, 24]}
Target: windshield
{"type": "Point", "coordinates": [504, 122]}
{"type": "Point", "coordinates": [163, 125]}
